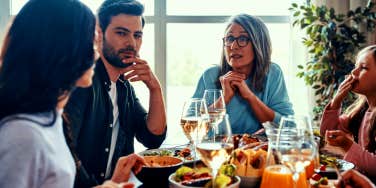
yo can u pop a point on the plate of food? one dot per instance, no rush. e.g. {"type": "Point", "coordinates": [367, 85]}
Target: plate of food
{"type": "Point", "coordinates": [321, 182]}
{"type": "Point", "coordinates": [186, 177]}
{"type": "Point", "coordinates": [329, 165]}
{"type": "Point", "coordinates": [183, 153]}
{"type": "Point", "coordinates": [157, 170]}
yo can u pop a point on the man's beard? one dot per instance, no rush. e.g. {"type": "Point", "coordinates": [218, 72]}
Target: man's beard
{"type": "Point", "coordinates": [114, 58]}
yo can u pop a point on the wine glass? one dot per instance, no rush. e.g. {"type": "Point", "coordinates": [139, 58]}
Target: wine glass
{"type": "Point", "coordinates": [216, 106]}
{"type": "Point", "coordinates": [216, 147]}
{"type": "Point", "coordinates": [296, 144]}
{"type": "Point", "coordinates": [194, 121]}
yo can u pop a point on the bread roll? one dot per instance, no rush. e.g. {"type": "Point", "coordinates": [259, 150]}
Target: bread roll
{"type": "Point", "coordinates": [256, 163]}
{"type": "Point", "coordinates": [240, 161]}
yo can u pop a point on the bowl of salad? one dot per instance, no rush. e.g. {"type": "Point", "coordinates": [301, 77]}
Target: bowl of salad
{"type": "Point", "coordinates": [186, 177]}
{"type": "Point", "coordinates": [157, 170]}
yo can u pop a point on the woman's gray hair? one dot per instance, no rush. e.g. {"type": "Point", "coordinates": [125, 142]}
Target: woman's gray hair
{"type": "Point", "coordinates": [260, 39]}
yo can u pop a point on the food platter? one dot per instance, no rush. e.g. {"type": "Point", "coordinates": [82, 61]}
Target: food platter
{"type": "Point", "coordinates": [183, 153]}
{"type": "Point", "coordinates": [175, 184]}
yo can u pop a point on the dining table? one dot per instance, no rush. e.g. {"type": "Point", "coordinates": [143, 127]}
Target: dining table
{"type": "Point", "coordinates": [332, 151]}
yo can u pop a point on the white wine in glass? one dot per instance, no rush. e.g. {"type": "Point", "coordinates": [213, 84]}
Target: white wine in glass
{"type": "Point", "coordinates": [217, 146]}
{"type": "Point", "coordinates": [216, 106]}
{"type": "Point", "coordinates": [194, 121]}
{"type": "Point", "coordinates": [216, 115]}
{"type": "Point", "coordinates": [214, 154]}
{"type": "Point", "coordinates": [194, 128]}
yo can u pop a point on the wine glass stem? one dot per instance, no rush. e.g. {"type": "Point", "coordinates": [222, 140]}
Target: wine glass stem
{"type": "Point", "coordinates": [193, 149]}
{"type": "Point", "coordinates": [215, 129]}
{"type": "Point", "coordinates": [214, 174]}
{"type": "Point", "coordinates": [295, 178]}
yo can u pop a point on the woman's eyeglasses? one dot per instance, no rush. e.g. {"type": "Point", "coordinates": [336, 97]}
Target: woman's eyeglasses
{"type": "Point", "coordinates": [241, 40]}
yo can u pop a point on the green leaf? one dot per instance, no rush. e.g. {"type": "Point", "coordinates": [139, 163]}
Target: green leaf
{"type": "Point", "coordinates": [300, 74]}
{"type": "Point", "coordinates": [295, 22]}
{"type": "Point", "coordinates": [316, 86]}
{"type": "Point", "coordinates": [308, 42]}
{"type": "Point", "coordinates": [294, 5]}
{"type": "Point", "coordinates": [332, 13]}
{"type": "Point", "coordinates": [350, 13]}
{"type": "Point", "coordinates": [358, 10]}
{"type": "Point", "coordinates": [332, 46]}
{"type": "Point", "coordinates": [296, 14]}
{"type": "Point", "coordinates": [302, 24]}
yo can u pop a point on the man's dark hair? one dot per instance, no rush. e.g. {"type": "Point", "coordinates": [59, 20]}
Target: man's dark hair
{"type": "Point", "coordinates": [110, 8]}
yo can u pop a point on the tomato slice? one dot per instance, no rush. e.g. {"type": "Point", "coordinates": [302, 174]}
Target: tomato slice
{"type": "Point", "coordinates": [323, 168]}
{"type": "Point", "coordinates": [316, 177]}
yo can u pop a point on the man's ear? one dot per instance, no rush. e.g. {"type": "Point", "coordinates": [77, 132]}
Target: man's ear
{"type": "Point", "coordinates": [98, 41]}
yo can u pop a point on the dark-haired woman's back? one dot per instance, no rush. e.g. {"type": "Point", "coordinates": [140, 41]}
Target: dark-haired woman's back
{"type": "Point", "coordinates": [48, 51]}
{"type": "Point", "coordinates": [45, 161]}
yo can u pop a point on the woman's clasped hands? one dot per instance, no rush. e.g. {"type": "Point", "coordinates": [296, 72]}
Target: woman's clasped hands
{"type": "Point", "coordinates": [233, 82]}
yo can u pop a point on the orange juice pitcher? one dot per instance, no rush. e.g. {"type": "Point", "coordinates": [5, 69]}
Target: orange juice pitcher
{"type": "Point", "coordinates": [276, 174]}
{"type": "Point", "coordinates": [280, 176]}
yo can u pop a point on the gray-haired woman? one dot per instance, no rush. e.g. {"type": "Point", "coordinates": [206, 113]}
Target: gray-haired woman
{"type": "Point", "coordinates": [253, 87]}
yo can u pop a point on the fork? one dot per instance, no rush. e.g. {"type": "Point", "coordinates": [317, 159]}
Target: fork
{"type": "Point", "coordinates": [339, 176]}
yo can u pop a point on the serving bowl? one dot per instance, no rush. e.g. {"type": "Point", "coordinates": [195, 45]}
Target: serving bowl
{"type": "Point", "coordinates": [175, 184]}
{"type": "Point", "coordinates": [158, 169]}
{"type": "Point", "coordinates": [250, 182]}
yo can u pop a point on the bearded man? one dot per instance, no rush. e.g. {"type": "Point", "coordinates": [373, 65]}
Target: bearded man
{"type": "Point", "coordinates": [106, 117]}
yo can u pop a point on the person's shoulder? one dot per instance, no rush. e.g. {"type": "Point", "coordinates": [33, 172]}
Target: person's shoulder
{"type": "Point", "coordinates": [212, 71]}
{"type": "Point", "coordinates": [275, 70]}
{"type": "Point", "coordinates": [80, 95]}
{"type": "Point", "coordinates": [22, 134]}
{"type": "Point", "coordinates": [274, 67]}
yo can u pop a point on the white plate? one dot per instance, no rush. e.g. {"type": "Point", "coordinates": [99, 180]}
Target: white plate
{"type": "Point", "coordinates": [174, 184]}
{"type": "Point", "coordinates": [344, 165]}
{"type": "Point", "coordinates": [330, 172]}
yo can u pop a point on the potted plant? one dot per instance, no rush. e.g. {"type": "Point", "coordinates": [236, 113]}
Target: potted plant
{"type": "Point", "coordinates": [332, 41]}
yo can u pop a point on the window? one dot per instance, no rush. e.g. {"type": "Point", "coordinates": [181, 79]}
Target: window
{"type": "Point", "coordinates": [191, 48]}
{"type": "Point", "coordinates": [183, 38]}
{"type": "Point", "coordinates": [226, 7]}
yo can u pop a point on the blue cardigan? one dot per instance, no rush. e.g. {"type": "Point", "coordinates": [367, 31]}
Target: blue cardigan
{"type": "Point", "coordinates": [240, 112]}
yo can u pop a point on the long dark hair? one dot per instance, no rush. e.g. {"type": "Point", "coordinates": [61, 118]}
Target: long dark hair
{"type": "Point", "coordinates": [47, 49]}
{"type": "Point", "coordinates": [260, 39]}
{"type": "Point", "coordinates": [358, 109]}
